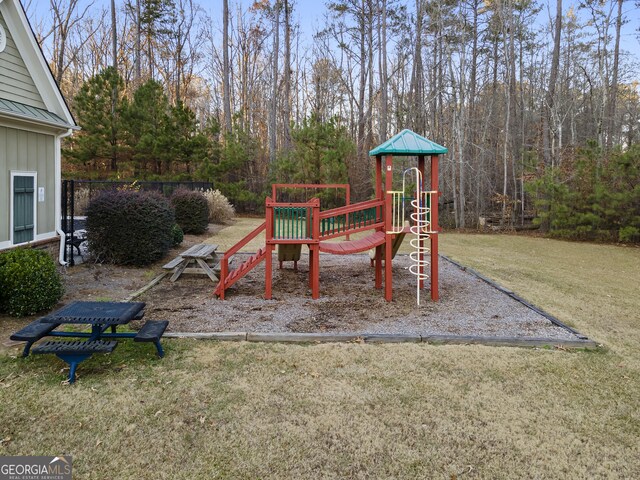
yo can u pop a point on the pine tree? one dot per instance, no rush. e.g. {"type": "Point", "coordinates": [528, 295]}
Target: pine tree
{"type": "Point", "coordinates": [98, 111]}
{"type": "Point", "coordinates": [147, 126]}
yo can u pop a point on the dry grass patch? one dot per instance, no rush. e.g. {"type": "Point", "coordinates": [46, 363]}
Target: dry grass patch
{"type": "Point", "coordinates": [220, 410]}
{"type": "Point", "coordinates": [595, 288]}
{"type": "Point", "coordinates": [240, 410]}
{"type": "Point", "coordinates": [227, 236]}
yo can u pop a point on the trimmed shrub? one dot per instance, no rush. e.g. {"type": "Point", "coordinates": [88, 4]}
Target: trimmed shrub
{"type": "Point", "coordinates": [129, 227]}
{"type": "Point", "coordinates": [629, 234]}
{"type": "Point", "coordinates": [29, 282]}
{"type": "Point", "coordinates": [192, 211]}
{"type": "Point", "coordinates": [220, 210]}
{"type": "Point", "coordinates": [177, 235]}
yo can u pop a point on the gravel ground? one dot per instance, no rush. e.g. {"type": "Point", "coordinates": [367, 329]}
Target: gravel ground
{"type": "Point", "coordinates": [349, 303]}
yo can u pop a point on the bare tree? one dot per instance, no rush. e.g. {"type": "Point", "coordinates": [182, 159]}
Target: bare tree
{"type": "Point", "coordinates": [287, 76]}
{"type": "Point", "coordinates": [416, 92]}
{"type": "Point", "coordinates": [613, 90]}
{"type": "Point", "coordinates": [551, 90]}
{"type": "Point", "coordinates": [273, 107]}
{"type": "Point", "coordinates": [66, 16]}
{"type": "Point", "coordinates": [382, 68]}
{"type": "Point", "coordinates": [226, 91]}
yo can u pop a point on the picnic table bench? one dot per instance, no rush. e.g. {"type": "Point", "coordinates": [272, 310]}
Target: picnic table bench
{"type": "Point", "coordinates": [75, 352]}
{"type": "Point", "coordinates": [198, 255]}
{"type": "Point", "coordinates": [100, 316]}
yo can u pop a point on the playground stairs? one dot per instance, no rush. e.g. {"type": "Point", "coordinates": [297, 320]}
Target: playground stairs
{"type": "Point", "coordinates": [244, 268]}
{"type": "Point", "coordinates": [229, 277]}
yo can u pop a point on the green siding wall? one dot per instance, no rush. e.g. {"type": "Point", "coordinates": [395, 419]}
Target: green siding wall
{"type": "Point", "coordinates": [30, 152]}
{"type": "Point", "coordinates": [16, 83]}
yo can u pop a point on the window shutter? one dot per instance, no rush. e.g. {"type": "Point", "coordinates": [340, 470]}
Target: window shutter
{"type": "Point", "coordinates": [23, 201]}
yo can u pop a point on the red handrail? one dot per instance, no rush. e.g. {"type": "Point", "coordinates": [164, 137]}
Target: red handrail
{"type": "Point", "coordinates": [224, 263]}
{"type": "Point", "coordinates": [354, 207]}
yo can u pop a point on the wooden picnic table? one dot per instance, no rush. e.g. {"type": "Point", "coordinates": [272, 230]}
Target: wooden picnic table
{"type": "Point", "coordinates": [204, 258]}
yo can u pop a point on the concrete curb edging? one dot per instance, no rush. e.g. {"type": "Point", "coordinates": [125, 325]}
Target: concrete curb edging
{"type": "Point", "coordinates": [517, 298]}
{"type": "Point", "coordinates": [284, 337]}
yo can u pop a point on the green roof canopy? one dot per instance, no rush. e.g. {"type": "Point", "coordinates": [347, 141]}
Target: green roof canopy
{"type": "Point", "coordinates": [27, 112]}
{"type": "Point", "coordinates": [408, 143]}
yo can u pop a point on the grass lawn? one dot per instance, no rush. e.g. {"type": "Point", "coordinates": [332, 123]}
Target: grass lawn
{"type": "Point", "coordinates": [245, 410]}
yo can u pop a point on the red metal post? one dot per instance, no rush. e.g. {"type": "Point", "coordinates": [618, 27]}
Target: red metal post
{"type": "Point", "coordinates": [348, 201]}
{"type": "Point", "coordinates": [310, 265]}
{"type": "Point", "coordinates": [379, 177]}
{"type": "Point", "coordinates": [224, 270]}
{"type": "Point", "coordinates": [388, 272]}
{"type": "Point", "coordinates": [379, 195]}
{"type": "Point", "coordinates": [378, 265]}
{"type": "Point", "coordinates": [435, 228]}
{"type": "Point", "coordinates": [421, 169]}
{"type": "Point", "coordinates": [269, 247]}
{"type": "Point", "coordinates": [315, 281]}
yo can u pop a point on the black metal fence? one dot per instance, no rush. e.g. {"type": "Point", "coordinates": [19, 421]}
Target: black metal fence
{"type": "Point", "coordinates": [76, 195]}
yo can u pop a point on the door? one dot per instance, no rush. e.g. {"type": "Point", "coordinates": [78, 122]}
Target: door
{"type": "Point", "coordinates": [23, 208]}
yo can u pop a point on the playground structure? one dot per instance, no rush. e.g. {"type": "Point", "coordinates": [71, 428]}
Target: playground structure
{"type": "Point", "coordinates": [296, 224]}
{"type": "Point", "coordinates": [292, 252]}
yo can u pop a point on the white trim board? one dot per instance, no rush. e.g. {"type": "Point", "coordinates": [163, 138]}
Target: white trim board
{"type": "Point", "coordinates": [21, 124]}
{"type": "Point", "coordinates": [40, 238]}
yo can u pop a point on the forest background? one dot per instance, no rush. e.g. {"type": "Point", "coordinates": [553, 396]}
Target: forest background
{"type": "Point", "coordinates": [538, 103]}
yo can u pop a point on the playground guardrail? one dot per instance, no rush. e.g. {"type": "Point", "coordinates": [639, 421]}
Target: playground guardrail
{"type": "Point", "coordinates": [292, 222]}
{"type": "Point", "coordinates": [351, 219]}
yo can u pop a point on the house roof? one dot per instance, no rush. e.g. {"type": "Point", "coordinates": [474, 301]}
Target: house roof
{"type": "Point", "coordinates": [57, 112]}
{"type": "Point", "coordinates": [27, 112]}
{"type": "Point", "coordinates": [408, 143]}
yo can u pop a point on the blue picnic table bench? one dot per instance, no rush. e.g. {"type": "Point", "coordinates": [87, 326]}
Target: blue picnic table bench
{"type": "Point", "coordinates": [101, 316]}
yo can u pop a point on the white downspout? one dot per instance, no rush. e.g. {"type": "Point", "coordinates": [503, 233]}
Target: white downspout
{"type": "Point", "coordinates": [58, 195]}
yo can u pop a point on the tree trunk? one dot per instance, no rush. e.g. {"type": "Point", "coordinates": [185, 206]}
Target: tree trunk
{"type": "Point", "coordinates": [611, 117]}
{"type": "Point", "coordinates": [138, 50]}
{"type": "Point", "coordinates": [462, 121]}
{"type": "Point", "coordinates": [369, 115]}
{"type": "Point", "coordinates": [114, 92]}
{"type": "Point", "coordinates": [273, 107]}
{"type": "Point", "coordinates": [416, 88]}
{"type": "Point", "coordinates": [287, 76]}
{"type": "Point", "coordinates": [226, 91]}
{"type": "Point", "coordinates": [362, 85]}
{"type": "Point", "coordinates": [551, 91]}
{"type": "Point", "coordinates": [382, 56]}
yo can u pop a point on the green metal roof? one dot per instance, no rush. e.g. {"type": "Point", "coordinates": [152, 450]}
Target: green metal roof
{"type": "Point", "coordinates": [408, 143]}
{"type": "Point", "coordinates": [27, 112]}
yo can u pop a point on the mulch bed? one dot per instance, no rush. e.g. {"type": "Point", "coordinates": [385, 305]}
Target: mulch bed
{"type": "Point", "coordinates": [349, 303]}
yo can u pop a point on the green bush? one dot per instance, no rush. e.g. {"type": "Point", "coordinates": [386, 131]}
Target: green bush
{"type": "Point", "coordinates": [177, 235]}
{"type": "Point", "coordinates": [594, 196]}
{"type": "Point", "coordinates": [192, 211]}
{"type": "Point", "coordinates": [629, 234]}
{"type": "Point", "coordinates": [29, 282]}
{"type": "Point", "coordinates": [129, 227]}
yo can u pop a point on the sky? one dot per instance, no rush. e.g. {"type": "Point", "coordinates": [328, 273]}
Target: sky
{"type": "Point", "coordinates": [309, 14]}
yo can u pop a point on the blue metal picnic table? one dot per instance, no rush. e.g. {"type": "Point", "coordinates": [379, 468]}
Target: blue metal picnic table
{"type": "Point", "coordinates": [100, 316]}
